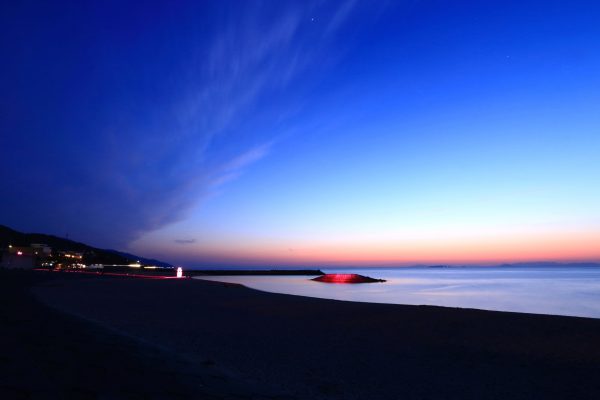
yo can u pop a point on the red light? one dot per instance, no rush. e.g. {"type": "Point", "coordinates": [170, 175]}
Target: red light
{"type": "Point", "coordinates": [346, 278]}
{"type": "Point", "coordinates": [98, 273]}
{"type": "Point", "coordinates": [19, 253]}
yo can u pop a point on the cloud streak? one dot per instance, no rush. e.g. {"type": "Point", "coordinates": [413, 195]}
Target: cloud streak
{"type": "Point", "coordinates": [185, 241]}
{"type": "Point", "coordinates": [163, 117]}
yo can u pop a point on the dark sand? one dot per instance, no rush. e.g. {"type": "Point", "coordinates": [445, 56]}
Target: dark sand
{"type": "Point", "coordinates": [45, 354]}
{"type": "Point", "coordinates": [312, 348]}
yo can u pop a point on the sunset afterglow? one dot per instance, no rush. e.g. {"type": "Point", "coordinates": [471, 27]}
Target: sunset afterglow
{"type": "Point", "coordinates": [308, 133]}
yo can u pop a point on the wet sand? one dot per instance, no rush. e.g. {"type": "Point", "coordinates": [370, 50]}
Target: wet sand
{"type": "Point", "coordinates": [308, 348]}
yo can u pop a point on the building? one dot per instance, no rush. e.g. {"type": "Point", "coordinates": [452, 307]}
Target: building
{"type": "Point", "coordinates": [25, 257]}
{"type": "Point", "coordinates": [70, 255]}
{"type": "Point", "coordinates": [18, 257]}
{"type": "Point", "coordinates": [42, 249]}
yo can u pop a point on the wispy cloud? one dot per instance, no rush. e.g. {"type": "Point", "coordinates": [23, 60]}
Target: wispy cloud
{"type": "Point", "coordinates": [256, 54]}
{"type": "Point", "coordinates": [341, 15]}
{"type": "Point", "coordinates": [169, 125]}
{"type": "Point", "coordinates": [235, 167]}
{"type": "Point", "coordinates": [252, 57]}
{"type": "Point", "coordinates": [185, 241]}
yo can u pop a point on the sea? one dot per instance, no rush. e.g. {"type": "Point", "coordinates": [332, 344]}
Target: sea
{"type": "Point", "coordinates": [554, 290]}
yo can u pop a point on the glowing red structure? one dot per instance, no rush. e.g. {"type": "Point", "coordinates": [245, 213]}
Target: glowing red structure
{"type": "Point", "coordinates": [346, 278]}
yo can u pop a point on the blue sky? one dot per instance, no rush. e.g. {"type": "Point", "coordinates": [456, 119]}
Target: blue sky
{"type": "Point", "coordinates": [292, 133]}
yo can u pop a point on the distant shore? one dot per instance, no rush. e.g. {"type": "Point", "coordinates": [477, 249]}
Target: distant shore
{"type": "Point", "coordinates": [306, 348]}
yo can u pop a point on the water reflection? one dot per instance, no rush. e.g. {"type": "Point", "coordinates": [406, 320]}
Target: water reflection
{"type": "Point", "coordinates": [560, 291]}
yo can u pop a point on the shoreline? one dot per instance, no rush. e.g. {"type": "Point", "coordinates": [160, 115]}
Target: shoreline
{"type": "Point", "coordinates": [327, 349]}
{"type": "Point", "coordinates": [396, 304]}
{"type": "Point", "coordinates": [371, 301]}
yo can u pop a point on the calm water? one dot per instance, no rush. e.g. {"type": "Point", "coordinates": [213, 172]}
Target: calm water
{"type": "Point", "coordinates": [552, 290]}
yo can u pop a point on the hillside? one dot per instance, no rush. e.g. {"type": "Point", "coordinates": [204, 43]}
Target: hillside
{"type": "Point", "coordinates": [92, 254]}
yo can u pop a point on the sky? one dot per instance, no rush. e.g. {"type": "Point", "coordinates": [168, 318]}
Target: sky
{"type": "Point", "coordinates": [305, 133]}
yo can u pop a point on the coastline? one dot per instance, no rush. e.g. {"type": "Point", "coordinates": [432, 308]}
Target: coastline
{"type": "Point", "coordinates": [566, 291]}
{"type": "Point", "coordinates": [326, 349]}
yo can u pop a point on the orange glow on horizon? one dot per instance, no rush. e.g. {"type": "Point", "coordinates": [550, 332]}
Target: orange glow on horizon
{"type": "Point", "coordinates": [404, 248]}
{"type": "Point", "coordinates": [564, 247]}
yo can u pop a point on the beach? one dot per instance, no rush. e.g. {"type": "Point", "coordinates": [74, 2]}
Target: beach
{"type": "Point", "coordinates": [299, 347]}
{"type": "Point", "coordinates": [47, 354]}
